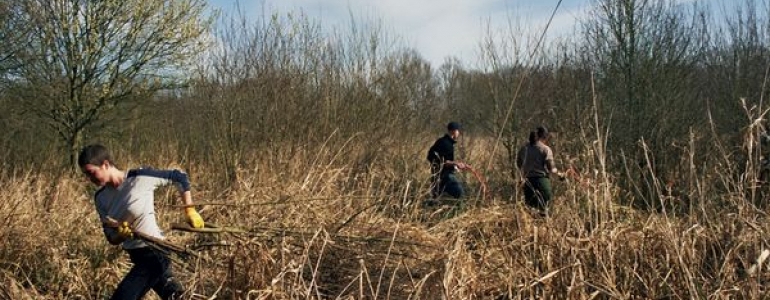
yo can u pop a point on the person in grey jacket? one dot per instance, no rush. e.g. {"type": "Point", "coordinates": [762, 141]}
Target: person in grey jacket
{"type": "Point", "coordinates": [126, 207]}
{"type": "Point", "coordinates": [536, 163]}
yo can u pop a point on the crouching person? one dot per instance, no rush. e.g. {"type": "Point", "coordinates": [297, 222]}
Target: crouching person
{"type": "Point", "coordinates": [443, 165]}
{"type": "Point", "coordinates": [126, 206]}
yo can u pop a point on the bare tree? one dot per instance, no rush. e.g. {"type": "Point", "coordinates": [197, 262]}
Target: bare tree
{"type": "Point", "coordinates": [644, 53]}
{"type": "Point", "coordinates": [88, 60]}
{"type": "Point", "coordinates": [11, 33]}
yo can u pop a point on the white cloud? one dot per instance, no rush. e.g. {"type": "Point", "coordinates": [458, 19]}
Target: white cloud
{"type": "Point", "coordinates": [436, 28]}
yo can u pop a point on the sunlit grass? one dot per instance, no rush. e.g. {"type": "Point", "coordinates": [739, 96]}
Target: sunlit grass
{"type": "Point", "coordinates": [321, 226]}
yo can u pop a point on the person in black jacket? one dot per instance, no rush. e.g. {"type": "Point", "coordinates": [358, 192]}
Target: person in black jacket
{"type": "Point", "coordinates": [443, 164]}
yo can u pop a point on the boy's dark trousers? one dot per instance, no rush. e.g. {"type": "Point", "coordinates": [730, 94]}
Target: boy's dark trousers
{"type": "Point", "coordinates": [152, 270]}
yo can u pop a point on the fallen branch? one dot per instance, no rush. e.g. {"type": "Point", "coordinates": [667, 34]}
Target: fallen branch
{"type": "Point", "coordinates": [282, 200]}
{"type": "Point", "coordinates": [265, 231]}
{"type": "Point", "coordinates": [162, 245]}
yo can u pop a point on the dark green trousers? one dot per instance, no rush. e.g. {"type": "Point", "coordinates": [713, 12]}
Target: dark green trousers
{"type": "Point", "coordinates": [538, 192]}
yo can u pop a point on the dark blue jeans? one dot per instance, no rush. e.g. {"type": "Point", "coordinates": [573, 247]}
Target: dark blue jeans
{"type": "Point", "coordinates": [446, 183]}
{"type": "Point", "coordinates": [152, 270]}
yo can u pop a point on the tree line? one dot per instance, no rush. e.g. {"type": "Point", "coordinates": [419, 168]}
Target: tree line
{"type": "Point", "coordinates": [154, 74]}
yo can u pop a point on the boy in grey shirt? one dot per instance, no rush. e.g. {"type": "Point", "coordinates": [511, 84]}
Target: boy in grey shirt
{"type": "Point", "coordinates": [125, 204]}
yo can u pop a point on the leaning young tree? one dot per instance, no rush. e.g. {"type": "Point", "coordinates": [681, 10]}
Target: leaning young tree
{"type": "Point", "coordinates": [88, 61]}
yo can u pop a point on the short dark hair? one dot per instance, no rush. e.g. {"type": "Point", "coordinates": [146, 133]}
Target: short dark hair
{"type": "Point", "coordinates": [94, 154]}
{"type": "Point", "coordinates": [453, 126]}
{"type": "Point", "coordinates": [542, 133]}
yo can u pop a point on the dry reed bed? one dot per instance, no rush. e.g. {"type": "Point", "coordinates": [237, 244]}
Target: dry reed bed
{"type": "Point", "coordinates": [321, 228]}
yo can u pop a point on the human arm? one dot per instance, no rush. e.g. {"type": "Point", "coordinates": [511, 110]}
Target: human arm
{"type": "Point", "coordinates": [116, 232]}
{"type": "Point", "coordinates": [520, 157]}
{"type": "Point", "coordinates": [193, 216]}
{"type": "Point", "coordinates": [460, 165]}
{"type": "Point", "coordinates": [441, 154]}
{"type": "Point", "coordinates": [113, 237]}
{"type": "Point", "coordinates": [445, 154]}
{"type": "Point", "coordinates": [551, 165]}
{"type": "Point", "coordinates": [553, 170]}
{"type": "Point", "coordinates": [111, 228]}
{"type": "Point", "coordinates": [181, 181]}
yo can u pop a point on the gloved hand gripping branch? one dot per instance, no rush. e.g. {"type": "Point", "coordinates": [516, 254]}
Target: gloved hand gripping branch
{"type": "Point", "coordinates": [193, 217]}
{"type": "Point", "coordinates": [124, 231]}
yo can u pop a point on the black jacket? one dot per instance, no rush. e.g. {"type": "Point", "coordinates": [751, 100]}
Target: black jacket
{"type": "Point", "coordinates": [442, 150]}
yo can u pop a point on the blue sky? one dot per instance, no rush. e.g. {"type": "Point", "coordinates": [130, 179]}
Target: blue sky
{"type": "Point", "coordinates": [435, 28]}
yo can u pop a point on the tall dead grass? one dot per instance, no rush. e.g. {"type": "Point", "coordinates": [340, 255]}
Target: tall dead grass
{"type": "Point", "coordinates": [340, 223]}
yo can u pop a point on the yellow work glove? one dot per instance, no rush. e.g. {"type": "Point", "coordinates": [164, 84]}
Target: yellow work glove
{"type": "Point", "coordinates": [194, 217]}
{"type": "Point", "coordinates": [124, 231]}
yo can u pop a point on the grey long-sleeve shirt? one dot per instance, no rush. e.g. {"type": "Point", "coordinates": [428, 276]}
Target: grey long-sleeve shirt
{"type": "Point", "coordinates": [134, 201]}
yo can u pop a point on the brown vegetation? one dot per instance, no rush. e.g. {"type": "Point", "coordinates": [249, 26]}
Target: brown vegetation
{"type": "Point", "coordinates": [313, 146]}
{"type": "Point", "coordinates": [319, 230]}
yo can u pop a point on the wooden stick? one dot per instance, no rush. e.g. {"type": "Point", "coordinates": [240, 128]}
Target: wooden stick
{"type": "Point", "coordinates": [282, 201]}
{"type": "Point", "coordinates": [211, 228]}
{"type": "Point", "coordinates": [158, 243]}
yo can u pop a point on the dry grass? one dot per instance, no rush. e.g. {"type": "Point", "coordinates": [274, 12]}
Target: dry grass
{"type": "Point", "coordinates": [324, 227]}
